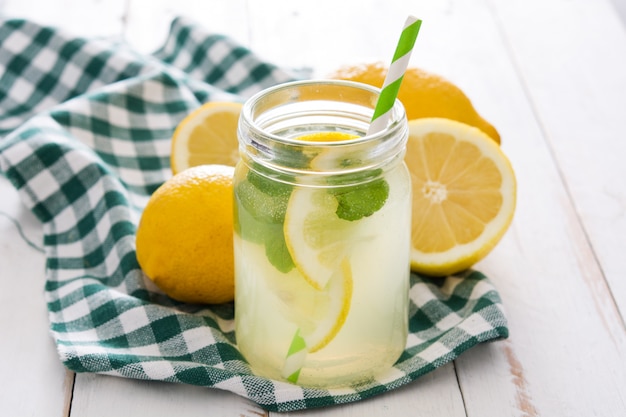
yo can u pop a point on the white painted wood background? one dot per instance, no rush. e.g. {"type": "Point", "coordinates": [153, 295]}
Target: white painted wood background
{"type": "Point", "coordinates": [549, 74]}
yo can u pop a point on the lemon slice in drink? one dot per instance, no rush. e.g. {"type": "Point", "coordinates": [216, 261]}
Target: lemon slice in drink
{"type": "Point", "coordinates": [339, 294]}
{"type": "Point", "coordinates": [319, 243]}
{"type": "Point", "coordinates": [319, 314]}
{"type": "Point", "coordinates": [316, 238]}
{"type": "Point", "coordinates": [464, 194]}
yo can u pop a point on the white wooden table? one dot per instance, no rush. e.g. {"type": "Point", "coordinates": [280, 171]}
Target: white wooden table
{"type": "Point", "coordinates": [549, 74]}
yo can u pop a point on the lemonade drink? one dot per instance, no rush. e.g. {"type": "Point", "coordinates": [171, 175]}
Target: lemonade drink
{"type": "Point", "coordinates": [322, 235]}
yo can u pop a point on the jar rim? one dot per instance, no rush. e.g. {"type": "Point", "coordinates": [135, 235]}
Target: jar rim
{"type": "Point", "coordinates": [249, 105]}
{"type": "Point", "coordinates": [273, 120]}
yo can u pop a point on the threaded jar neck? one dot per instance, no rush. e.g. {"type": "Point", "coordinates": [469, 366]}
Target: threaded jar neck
{"type": "Point", "coordinates": [272, 121]}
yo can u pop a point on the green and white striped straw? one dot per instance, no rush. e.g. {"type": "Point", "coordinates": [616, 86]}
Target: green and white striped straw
{"type": "Point", "coordinates": [392, 82]}
{"type": "Point", "coordinates": [298, 349]}
{"type": "Point", "coordinates": [295, 358]}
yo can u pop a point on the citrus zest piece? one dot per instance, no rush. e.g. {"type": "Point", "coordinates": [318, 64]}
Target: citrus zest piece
{"type": "Point", "coordinates": [464, 195]}
{"type": "Point", "coordinates": [206, 136]}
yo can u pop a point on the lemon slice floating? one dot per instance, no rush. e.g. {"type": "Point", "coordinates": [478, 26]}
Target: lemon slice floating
{"type": "Point", "coordinates": [316, 238]}
{"type": "Point", "coordinates": [464, 194]}
{"type": "Point", "coordinates": [318, 314]}
{"type": "Point", "coordinates": [208, 135]}
{"type": "Point", "coordinates": [307, 340]}
{"type": "Point", "coordinates": [319, 244]}
{"type": "Point", "coordinates": [339, 294]}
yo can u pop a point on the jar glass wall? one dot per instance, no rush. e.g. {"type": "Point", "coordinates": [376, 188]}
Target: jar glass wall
{"type": "Point", "coordinates": [322, 231]}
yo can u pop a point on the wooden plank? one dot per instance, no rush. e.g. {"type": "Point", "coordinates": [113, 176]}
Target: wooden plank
{"type": "Point", "coordinates": [575, 79]}
{"type": "Point", "coordinates": [432, 395]}
{"type": "Point", "coordinates": [80, 17]}
{"type": "Point", "coordinates": [146, 26]}
{"type": "Point", "coordinates": [33, 381]}
{"type": "Point", "coordinates": [559, 306]}
{"type": "Point", "coordinates": [620, 7]}
{"type": "Point", "coordinates": [105, 396]}
{"type": "Point", "coordinates": [324, 34]}
{"type": "Point", "coordinates": [556, 74]}
{"type": "Point", "coordinates": [147, 21]}
{"type": "Point", "coordinates": [98, 395]}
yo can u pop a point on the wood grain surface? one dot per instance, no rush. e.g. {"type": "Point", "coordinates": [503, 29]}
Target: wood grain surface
{"type": "Point", "coordinates": [549, 74]}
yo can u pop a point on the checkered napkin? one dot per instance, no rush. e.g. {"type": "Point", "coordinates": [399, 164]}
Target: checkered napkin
{"type": "Point", "coordinates": [86, 127]}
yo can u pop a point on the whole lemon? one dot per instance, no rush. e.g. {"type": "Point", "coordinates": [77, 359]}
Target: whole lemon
{"type": "Point", "coordinates": [423, 94]}
{"type": "Point", "coordinates": [185, 236]}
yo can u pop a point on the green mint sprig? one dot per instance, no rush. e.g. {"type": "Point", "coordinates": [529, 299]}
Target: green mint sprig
{"type": "Point", "coordinates": [263, 202]}
{"type": "Point", "coordinates": [363, 200]}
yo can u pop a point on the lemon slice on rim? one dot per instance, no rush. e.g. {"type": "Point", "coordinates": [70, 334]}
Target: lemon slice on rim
{"type": "Point", "coordinates": [464, 194]}
{"type": "Point", "coordinates": [208, 135]}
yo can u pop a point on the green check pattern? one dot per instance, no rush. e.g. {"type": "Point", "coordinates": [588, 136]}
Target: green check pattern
{"type": "Point", "coordinates": [85, 129]}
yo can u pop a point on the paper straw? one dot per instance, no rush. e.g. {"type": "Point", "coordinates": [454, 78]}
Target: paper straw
{"type": "Point", "coordinates": [295, 358]}
{"type": "Point", "coordinates": [298, 349]}
{"type": "Point", "coordinates": [392, 82]}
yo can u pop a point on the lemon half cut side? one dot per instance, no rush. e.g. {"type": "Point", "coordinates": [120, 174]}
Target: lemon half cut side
{"type": "Point", "coordinates": [464, 195]}
{"type": "Point", "coordinates": [207, 136]}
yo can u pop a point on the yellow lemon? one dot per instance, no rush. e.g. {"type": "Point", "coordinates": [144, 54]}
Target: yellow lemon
{"type": "Point", "coordinates": [464, 194]}
{"type": "Point", "coordinates": [207, 136]}
{"type": "Point", "coordinates": [423, 95]}
{"type": "Point", "coordinates": [185, 236]}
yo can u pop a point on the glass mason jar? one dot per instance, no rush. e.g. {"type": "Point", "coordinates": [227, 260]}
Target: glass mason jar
{"type": "Point", "coordinates": [322, 234]}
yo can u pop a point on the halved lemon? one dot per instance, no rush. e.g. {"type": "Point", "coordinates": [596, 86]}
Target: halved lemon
{"type": "Point", "coordinates": [208, 135]}
{"type": "Point", "coordinates": [464, 195]}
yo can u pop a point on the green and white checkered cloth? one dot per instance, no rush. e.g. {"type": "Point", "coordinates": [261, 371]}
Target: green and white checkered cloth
{"type": "Point", "coordinates": [86, 127]}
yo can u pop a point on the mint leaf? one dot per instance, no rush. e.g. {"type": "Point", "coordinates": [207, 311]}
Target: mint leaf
{"type": "Point", "coordinates": [363, 200]}
{"type": "Point", "coordinates": [262, 206]}
{"type": "Point", "coordinates": [247, 226]}
{"type": "Point", "coordinates": [260, 210]}
{"type": "Point", "coordinates": [264, 232]}
{"type": "Point", "coordinates": [276, 249]}
{"type": "Point", "coordinates": [269, 184]}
